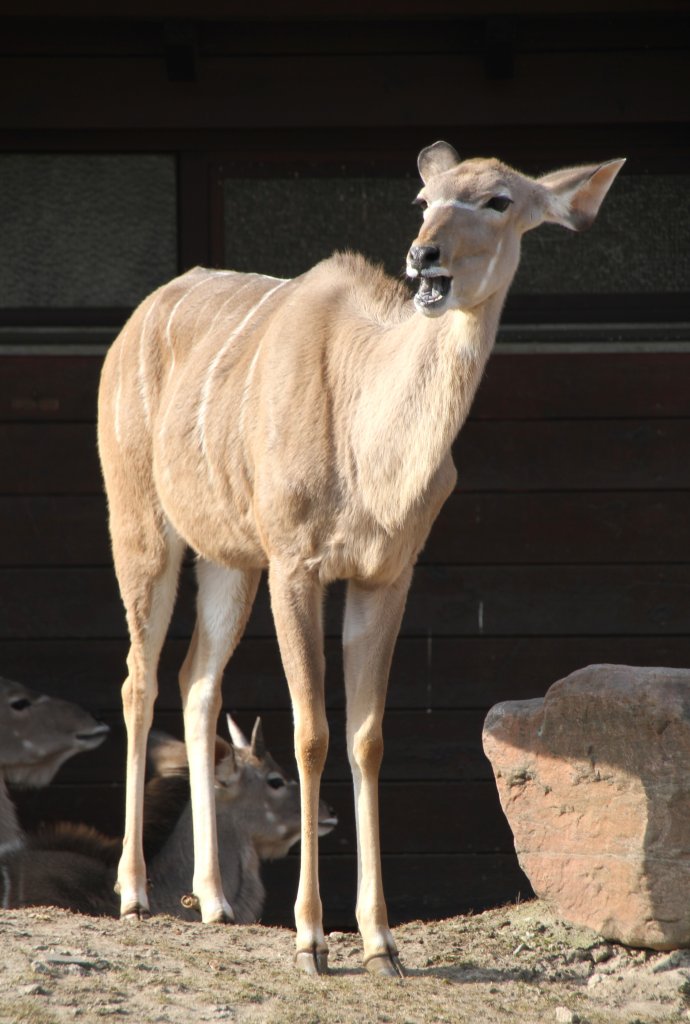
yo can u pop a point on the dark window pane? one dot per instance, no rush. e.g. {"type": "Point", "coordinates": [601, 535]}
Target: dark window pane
{"type": "Point", "coordinates": [284, 226]}
{"type": "Point", "coordinates": [85, 230]}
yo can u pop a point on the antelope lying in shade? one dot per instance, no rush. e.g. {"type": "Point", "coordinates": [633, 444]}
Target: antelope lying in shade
{"type": "Point", "coordinates": [304, 427]}
{"type": "Point", "coordinates": [38, 734]}
{"type": "Point", "coordinates": [258, 810]}
{"type": "Point", "coordinates": [258, 816]}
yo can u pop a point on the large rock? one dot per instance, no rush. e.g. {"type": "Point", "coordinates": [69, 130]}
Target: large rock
{"type": "Point", "coordinates": [594, 779]}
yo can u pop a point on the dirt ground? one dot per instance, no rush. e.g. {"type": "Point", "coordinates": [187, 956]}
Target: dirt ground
{"type": "Point", "coordinates": [515, 963]}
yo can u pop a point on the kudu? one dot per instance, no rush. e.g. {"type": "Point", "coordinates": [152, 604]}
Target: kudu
{"type": "Point", "coordinates": [304, 427]}
{"type": "Point", "coordinates": [258, 810]}
{"type": "Point", "coordinates": [258, 818]}
{"type": "Point", "coordinates": [38, 734]}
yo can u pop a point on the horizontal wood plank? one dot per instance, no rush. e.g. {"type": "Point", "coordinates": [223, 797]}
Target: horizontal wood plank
{"type": "Point", "coordinates": [435, 745]}
{"type": "Point", "coordinates": [537, 385]}
{"type": "Point", "coordinates": [472, 529]}
{"type": "Point", "coordinates": [443, 601]}
{"type": "Point", "coordinates": [134, 93]}
{"type": "Point", "coordinates": [305, 10]}
{"type": "Point", "coordinates": [417, 886]}
{"type": "Point", "coordinates": [275, 29]}
{"type": "Point", "coordinates": [56, 529]}
{"type": "Point", "coordinates": [49, 388]}
{"type": "Point", "coordinates": [573, 455]}
{"type": "Point", "coordinates": [61, 458]}
{"type": "Point", "coordinates": [583, 385]}
{"type": "Point", "coordinates": [416, 817]}
{"type": "Point", "coordinates": [435, 672]}
{"type": "Point", "coordinates": [49, 458]}
{"type": "Point", "coordinates": [552, 528]}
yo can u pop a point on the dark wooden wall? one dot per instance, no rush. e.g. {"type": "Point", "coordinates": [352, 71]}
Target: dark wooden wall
{"type": "Point", "coordinates": [566, 543]}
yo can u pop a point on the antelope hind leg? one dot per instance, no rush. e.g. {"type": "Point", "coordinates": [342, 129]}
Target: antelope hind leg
{"type": "Point", "coordinates": [148, 599]}
{"type": "Point", "coordinates": [224, 601]}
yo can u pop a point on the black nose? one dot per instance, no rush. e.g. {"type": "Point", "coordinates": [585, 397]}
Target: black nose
{"type": "Point", "coordinates": [421, 256]}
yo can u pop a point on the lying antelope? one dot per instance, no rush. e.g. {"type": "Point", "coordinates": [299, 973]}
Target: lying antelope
{"type": "Point", "coordinates": [258, 818]}
{"type": "Point", "coordinates": [304, 427]}
{"type": "Point", "coordinates": [38, 734]}
{"type": "Point", "coordinates": [258, 810]}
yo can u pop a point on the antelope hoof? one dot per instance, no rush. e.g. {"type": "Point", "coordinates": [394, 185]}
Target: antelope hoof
{"type": "Point", "coordinates": [386, 965]}
{"type": "Point", "coordinates": [221, 917]}
{"type": "Point", "coordinates": [220, 914]}
{"type": "Point", "coordinates": [134, 912]}
{"type": "Point", "coordinates": [311, 961]}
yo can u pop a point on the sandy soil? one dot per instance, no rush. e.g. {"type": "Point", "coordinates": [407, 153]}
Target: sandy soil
{"type": "Point", "coordinates": [515, 963]}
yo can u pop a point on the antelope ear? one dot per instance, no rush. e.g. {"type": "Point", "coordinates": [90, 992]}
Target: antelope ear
{"type": "Point", "coordinates": [258, 744]}
{"type": "Point", "coordinates": [574, 195]}
{"type": "Point", "coordinates": [236, 735]}
{"type": "Point", "coordinates": [165, 754]}
{"type": "Point", "coordinates": [436, 159]}
{"type": "Point", "coordinates": [226, 764]}
{"type": "Point", "coordinates": [222, 750]}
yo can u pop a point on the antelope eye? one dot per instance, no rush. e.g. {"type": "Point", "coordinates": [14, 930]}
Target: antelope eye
{"type": "Point", "coordinates": [421, 203]}
{"type": "Point", "coordinates": [20, 704]}
{"type": "Point", "coordinates": [498, 203]}
{"type": "Point", "coordinates": [275, 781]}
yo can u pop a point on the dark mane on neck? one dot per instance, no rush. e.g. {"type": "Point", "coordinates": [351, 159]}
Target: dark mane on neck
{"type": "Point", "coordinates": [70, 837]}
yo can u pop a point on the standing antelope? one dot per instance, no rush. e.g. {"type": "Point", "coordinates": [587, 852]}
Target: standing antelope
{"type": "Point", "coordinates": [304, 426]}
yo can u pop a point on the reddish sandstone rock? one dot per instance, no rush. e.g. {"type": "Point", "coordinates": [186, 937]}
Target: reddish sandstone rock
{"type": "Point", "coordinates": [595, 782]}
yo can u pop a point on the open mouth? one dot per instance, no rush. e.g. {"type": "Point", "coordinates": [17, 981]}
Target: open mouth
{"type": "Point", "coordinates": [433, 290]}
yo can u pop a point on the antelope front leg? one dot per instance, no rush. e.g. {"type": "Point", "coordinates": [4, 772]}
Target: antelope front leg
{"type": "Point", "coordinates": [296, 601]}
{"type": "Point", "coordinates": [372, 621]}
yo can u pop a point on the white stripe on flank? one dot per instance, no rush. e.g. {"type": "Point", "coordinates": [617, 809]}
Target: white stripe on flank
{"type": "Point", "coordinates": [118, 396]}
{"type": "Point", "coordinates": [168, 336]}
{"type": "Point", "coordinates": [247, 385]}
{"type": "Point", "coordinates": [207, 389]}
{"type": "Point", "coordinates": [141, 372]}
{"type": "Point", "coordinates": [208, 382]}
{"type": "Point", "coordinates": [219, 312]}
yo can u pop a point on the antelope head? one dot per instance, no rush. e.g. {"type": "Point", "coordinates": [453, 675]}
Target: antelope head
{"type": "Point", "coordinates": [39, 733]}
{"type": "Point", "coordinates": [263, 795]}
{"type": "Point", "coordinates": [475, 213]}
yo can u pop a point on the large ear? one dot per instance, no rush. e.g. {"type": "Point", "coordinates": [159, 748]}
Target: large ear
{"type": "Point", "coordinates": [165, 754]}
{"type": "Point", "coordinates": [221, 750]}
{"type": "Point", "coordinates": [574, 195]}
{"type": "Point", "coordinates": [227, 771]}
{"type": "Point", "coordinates": [236, 735]}
{"type": "Point", "coordinates": [436, 159]}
